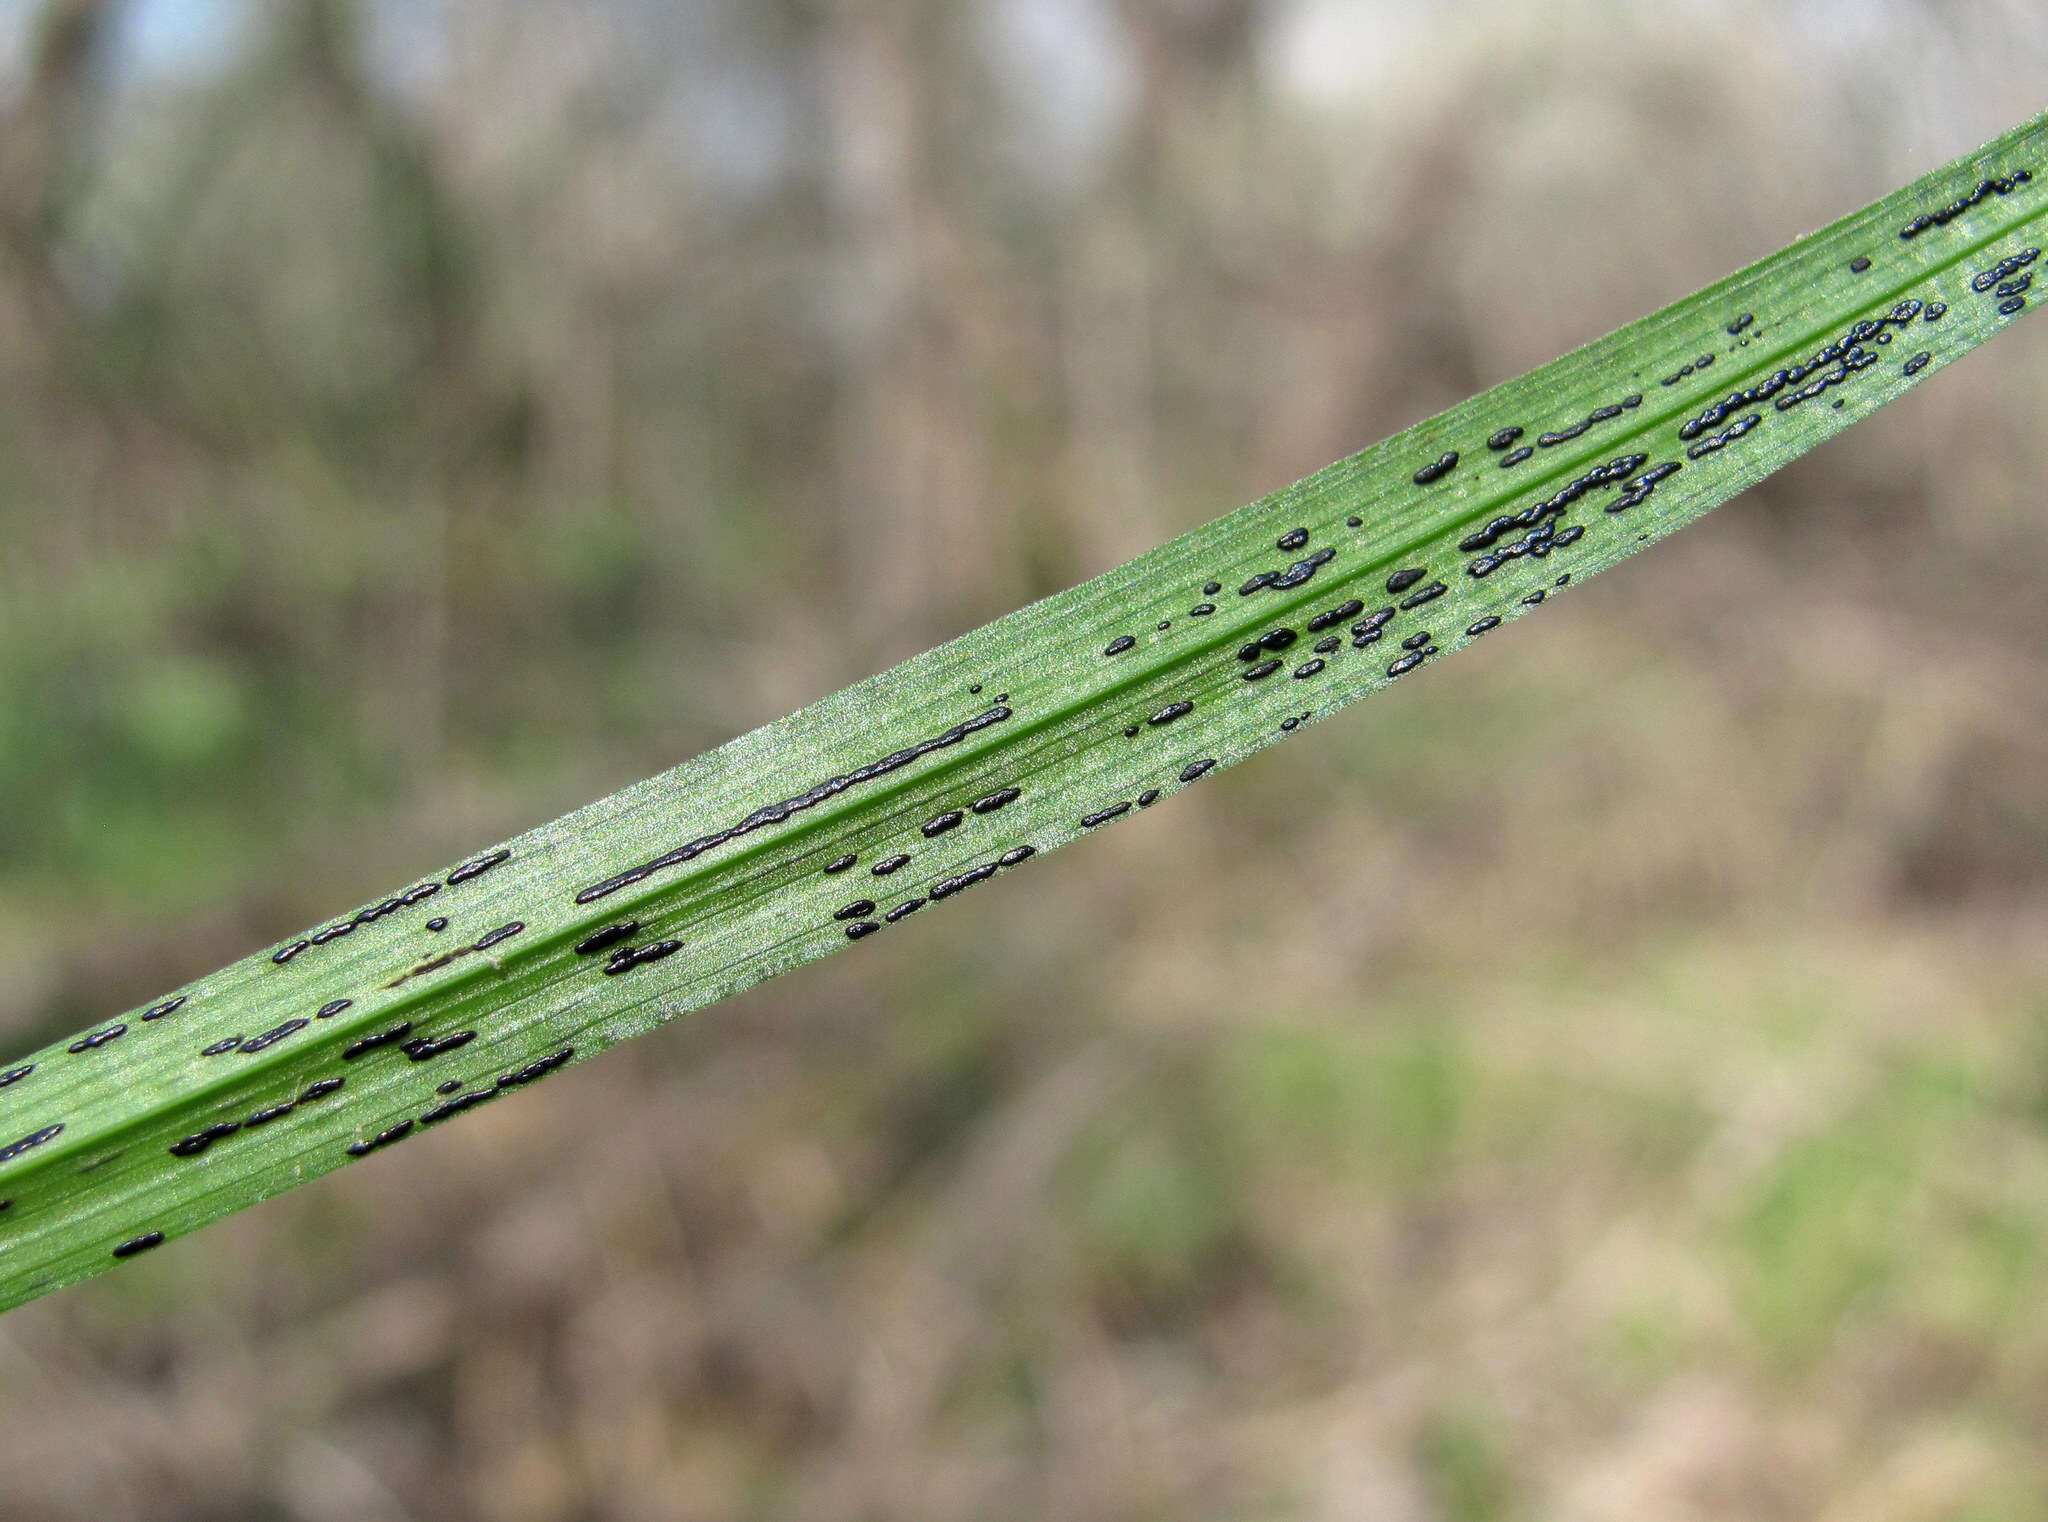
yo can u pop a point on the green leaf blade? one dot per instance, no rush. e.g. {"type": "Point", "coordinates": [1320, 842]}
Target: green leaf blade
{"type": "Point", "coordinates": [1033, 702]}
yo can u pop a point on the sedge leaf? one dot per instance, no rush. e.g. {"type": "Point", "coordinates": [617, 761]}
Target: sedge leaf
{"type": "Point", "coordinates": [890, 797]}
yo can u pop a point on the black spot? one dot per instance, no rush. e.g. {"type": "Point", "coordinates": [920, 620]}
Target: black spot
{"type": "Point", "coordinates": [369, 1044]}
{"type": "Point", "coordinates": [1438, 468]}
{"type": "Point", "coordinates": [477, 868]}
{"type": "Point", "coordinates": [610, 935]}
{"type": "Point", "coordinates": [382, 1139]}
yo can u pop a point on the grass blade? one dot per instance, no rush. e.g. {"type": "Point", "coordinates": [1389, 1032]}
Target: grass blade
{"type": "Point", "coordinates": [888, 798]}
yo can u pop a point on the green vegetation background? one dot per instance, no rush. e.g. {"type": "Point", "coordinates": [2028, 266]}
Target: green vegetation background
{"type": "Point", "coordinates": [1605, 1079]}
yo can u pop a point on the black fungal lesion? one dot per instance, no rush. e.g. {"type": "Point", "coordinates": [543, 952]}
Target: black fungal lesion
{"type": "Point", "coordinates": [222, 1047]}
{"type": "Point", "coordinates": [1600, 414]}
{"type": "Point", "coordinates": [1859, 264]}
{"type": "Point", "coordinates": [29, 1142]}
{"type": "Point", "coordinates": [332, 1008]}
{"type": "Point", "coordinates": [1401, 581]}
{"type": "Point", "coordinates": [168, 1006]}
{"type": "Point", "coordinates": [1690, 367]}
{"type": "Point", "coordinates": [16, 1074]}
{"type": "Point", "coordinates": [1503, 438]}
{"type": "Point", "coordinates": [840, 864]}
{"type": "Point", "coordinates": [1298, 574]}
{"type": "Point", "coordinates": [1115, 810]}
{"type": "Point", "coordinates": [1718, 441]}
{"type": "Point", "coordinates": [1482, 625]}
{"type": "Point", "coordinates": [1293, 539]}
{"type": "Point", "coordinates": [383, 1138]}
{"type": "Point", "coordinates": [274, 1035]}
{"type": "Point", "coordinates": [537, 1069]}
{"type": "Point", "coordinates": [889, 864]}
{"type": "Point", "coordinates": [143, 1243]}
{"type": "Point", "coordinates": [1002, 797]}
{"type": "Point", "coordinates": [376, 912]}
{"type": "Point", "coordinates": [1260, 672]}
{"type": "Point", "coordinates": [2001, 185]}
{"type": "Point", "coordinates": [783, 809]}
{"type": "Point", "coordinates": [1435, 470]}
{"type": "Point", "coordinates": [939, 824]}
{"type": "Point", "coordinates": [1171, 712]}
{"type": "Point", "coordinates": [1422, 595]}
{"type": "Point", "coordinates": [1830, 365]}
{"type": "Point", "coordinates": [1536, 518]}
{"type": "Point", "coordinates": [1735, 328]}
{"type": "Point", "coordinates": [367, 1044]}
{"type": "Point", "coordinates": [610, 935]}
{"type": "Point", "coordinates": [479, 866]}
{"type": "Point", "coordinates": [859, 909]}
{"type": "Point", "coordinates": [1329, 618]}
{"type": "Point", "coordinates": [199, 1141]}
{"type": "Point", "coordinates": [423, 1048]}
{"type": "Point", "coordinates": [626, 958]}
{"type": "Point", "coordinates": [1917, 363]}
{"type": "Point", "coordinates": [98, 1039]}
{"type": "Point", "coordinates": [1120, 644]}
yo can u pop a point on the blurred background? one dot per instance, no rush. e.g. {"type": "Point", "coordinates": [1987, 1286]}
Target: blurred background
{"type": "Point", "coordinates": [1610, 1080]}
